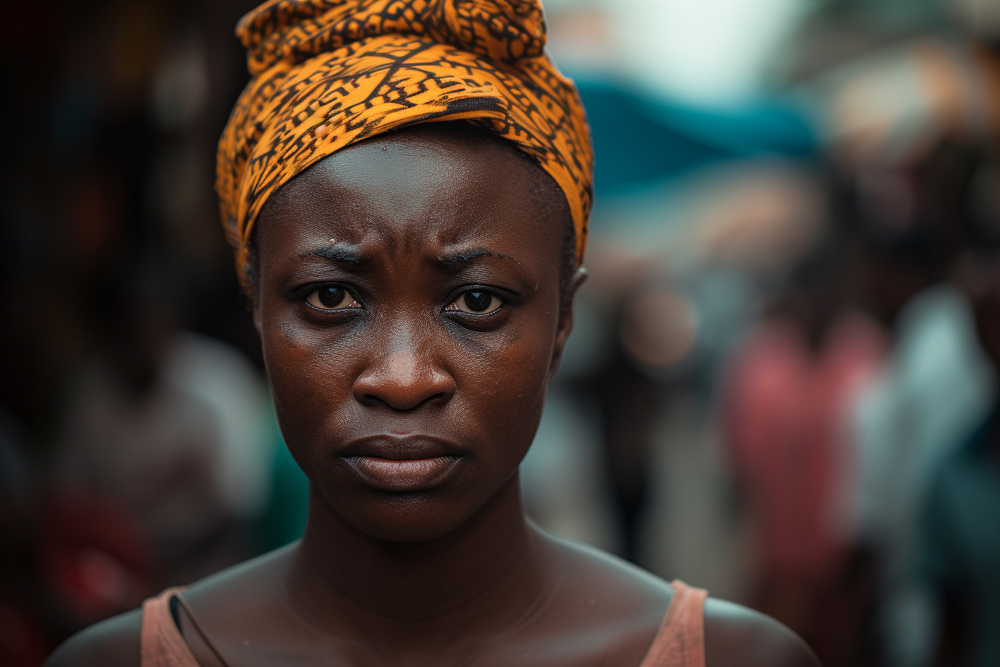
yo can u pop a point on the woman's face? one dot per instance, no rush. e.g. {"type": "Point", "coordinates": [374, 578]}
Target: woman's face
{"type": "Point", "coordinates": [408, 306]}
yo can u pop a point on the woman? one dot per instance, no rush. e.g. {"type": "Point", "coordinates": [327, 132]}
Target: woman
{"type": "Point", "coordinates": [412, 284]}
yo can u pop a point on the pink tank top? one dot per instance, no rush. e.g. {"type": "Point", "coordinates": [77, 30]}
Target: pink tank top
{"type": "Point", "coordinates": [680, 641]}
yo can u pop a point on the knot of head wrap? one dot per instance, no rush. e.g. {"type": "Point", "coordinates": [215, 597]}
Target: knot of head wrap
{"type": "Point", "coordinates": [329, 73]}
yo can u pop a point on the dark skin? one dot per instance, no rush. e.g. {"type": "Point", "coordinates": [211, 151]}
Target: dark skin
{"type": "Point", "coordinates": [410, 406]}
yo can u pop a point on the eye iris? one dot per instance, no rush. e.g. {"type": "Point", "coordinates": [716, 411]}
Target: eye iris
{"type": "Point", "coordinates": [478, 301]}
{"type": "Point", "coordinates": [331, 297]}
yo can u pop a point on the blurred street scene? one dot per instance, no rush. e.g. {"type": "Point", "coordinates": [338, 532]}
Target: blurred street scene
{"type": "Point", "coordinates": [782, 382]}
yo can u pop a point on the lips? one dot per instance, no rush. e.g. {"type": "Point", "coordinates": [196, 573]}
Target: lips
{"type": "Point", "coordinates": [402, 463]}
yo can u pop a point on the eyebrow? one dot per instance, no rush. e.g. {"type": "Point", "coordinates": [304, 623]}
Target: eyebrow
{"type": "Point", "coordinates": [337, 252]}
{"type": "Point", "coordinates": [468, 256]}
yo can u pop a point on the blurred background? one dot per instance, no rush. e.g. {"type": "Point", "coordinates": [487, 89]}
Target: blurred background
{"type": "Point", "coordinates": [782, 382]}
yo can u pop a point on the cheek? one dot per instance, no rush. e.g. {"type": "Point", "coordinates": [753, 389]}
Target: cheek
{"type": "Point", "coordinates": [306, 377]}
{"type": "Point", "coordinates": [505, 384]}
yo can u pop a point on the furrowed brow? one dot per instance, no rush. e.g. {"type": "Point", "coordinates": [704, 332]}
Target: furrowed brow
{"type": "Point", "coordinates": [337, 253]}
{"type": "Point", "coordinates": [468, 256]}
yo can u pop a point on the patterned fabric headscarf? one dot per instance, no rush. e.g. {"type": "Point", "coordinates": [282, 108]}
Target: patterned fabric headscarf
{"type": "Point", "coordinates": [330, 73]}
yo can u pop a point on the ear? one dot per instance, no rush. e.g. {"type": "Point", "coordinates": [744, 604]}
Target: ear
{"type": "Point", "coordinates": [565, 324]}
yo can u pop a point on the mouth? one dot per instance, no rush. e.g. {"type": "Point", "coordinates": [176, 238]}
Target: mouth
{"type": "Point", "coordinates": [407, 463]}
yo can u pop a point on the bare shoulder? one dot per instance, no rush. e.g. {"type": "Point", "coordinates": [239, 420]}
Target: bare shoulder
{"type": "Point", "coordinates": [596, 572]}
{"type": "Point", "coordinates": [735, 635]}
{"type": "Point", "coordinates": [116, 641]}
{"type": "Point", "coordinates": [110, 643]}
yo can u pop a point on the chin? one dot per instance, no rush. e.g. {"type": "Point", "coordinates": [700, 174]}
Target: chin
{"type": "Point", "coordinates": [405, 517]}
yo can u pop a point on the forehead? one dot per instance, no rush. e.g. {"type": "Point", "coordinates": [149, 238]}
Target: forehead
{"type": "Point", "coordinates": [437, 184]}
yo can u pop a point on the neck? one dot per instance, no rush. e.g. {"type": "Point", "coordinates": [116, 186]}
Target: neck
{"type": "Point", "coordinates": [489, 567]}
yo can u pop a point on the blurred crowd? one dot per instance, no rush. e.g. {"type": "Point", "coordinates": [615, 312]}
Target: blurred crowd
{"type": "Point", "coordinates": [782, 383]}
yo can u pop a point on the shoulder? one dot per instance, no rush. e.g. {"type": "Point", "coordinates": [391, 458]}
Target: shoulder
{"type": "Point", "coordinates": [116, 641]}
{"type": "Point", "coordinates": [110, 643]}
{"type": "Point", "coordinates": [595, 572]}
{"type": "Point", "coordinates": [735, 635]}
{"type": "Point", "coordinates": [242, 587]}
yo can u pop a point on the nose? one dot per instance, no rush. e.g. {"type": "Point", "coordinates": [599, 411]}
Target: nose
{"type": "Point", "coordinates": [404, 374]}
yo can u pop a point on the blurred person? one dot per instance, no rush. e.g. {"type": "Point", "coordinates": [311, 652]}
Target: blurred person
{"type": "Point", "coordinates": [786, 397]}
{"type": "Point", "coordinates": [935, 385]}
{"type": "Point", "coordinates": [630, 403]}
{"type": "Point", "coordinates": [623, 394]}
{"type": "Point", "coordinates": [412, 285]}
{"type": "Point", "coordinates": [84, 89]}
{"type": "Point", "coordinates": [959, 550]}
{"type": "Point", "coordinates": [902, 121]}
{"type": "Point", "coordinates": [170, 425]}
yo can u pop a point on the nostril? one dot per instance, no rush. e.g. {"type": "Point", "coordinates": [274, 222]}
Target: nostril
{"type": "Point", "coordinates": [402, 406]}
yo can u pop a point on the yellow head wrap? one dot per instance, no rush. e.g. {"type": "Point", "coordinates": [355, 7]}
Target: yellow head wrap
{"type": "Point", "coordinates": [330, 73]}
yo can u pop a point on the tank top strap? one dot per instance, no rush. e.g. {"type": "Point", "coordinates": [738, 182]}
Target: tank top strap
{"type": "Point", "coordinates": [162, 643]}
{"type": "Point", "coordinates": [680, 641]}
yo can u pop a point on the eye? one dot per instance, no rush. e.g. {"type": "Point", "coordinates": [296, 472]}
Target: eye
{"type": "Point", "coordinates": [478, 302]}
{"type": "Point", "coordinates": [332, 297]}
